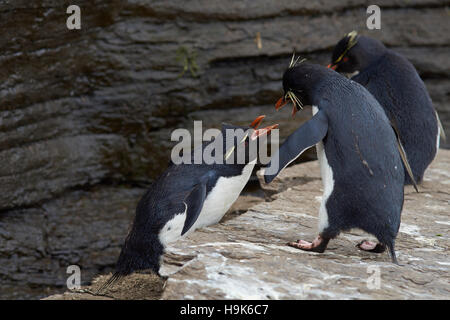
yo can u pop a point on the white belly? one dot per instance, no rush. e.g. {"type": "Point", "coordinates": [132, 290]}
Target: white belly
{"type": "Point", "coordinates": [328, 185]}
{"type": "Point", "coordinates": [327, 180]}
{"type": "Point", "coordinates": [216, 204]}
{"type": "Point", "coordinates": [173, 228]}
{"type": "Point", "coordinates": [222, 196]}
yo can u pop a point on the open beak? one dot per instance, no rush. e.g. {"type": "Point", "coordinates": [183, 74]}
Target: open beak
{"type": "Point", "coordinates": [255, 124]}
{"type": "Point", "coordinates": [332, 66]}
{"type": "Point", "coordinates": [282, 102]}
{"type": "Point", "coordinates": [255, 134]}
{"type": "Point", "coordinates": [260, 132]}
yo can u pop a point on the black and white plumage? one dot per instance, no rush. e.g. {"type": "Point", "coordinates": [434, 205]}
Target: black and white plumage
{"type": "Point", "coordinates": [186, 197]}
{"type": "Point", "coordinates": [360, 163]}
{"type": "Point", "coordinates": [395, 83]}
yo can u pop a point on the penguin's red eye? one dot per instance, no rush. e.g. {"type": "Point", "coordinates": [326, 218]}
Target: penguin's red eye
{"type": "Point", "coordinates": [345, 59]}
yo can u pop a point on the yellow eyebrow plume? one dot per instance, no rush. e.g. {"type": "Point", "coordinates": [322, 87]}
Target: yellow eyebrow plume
{"type": "Point", "coordinates": [351, 42]}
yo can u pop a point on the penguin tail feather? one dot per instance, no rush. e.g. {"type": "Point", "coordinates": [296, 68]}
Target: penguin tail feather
{"type": "Point", "coordinates": [392, 252]}
{"type": "Point", "coordinates": [112, 280]}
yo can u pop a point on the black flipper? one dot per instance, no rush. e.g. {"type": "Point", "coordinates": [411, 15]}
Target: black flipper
{"type": "Point", "coordinates": [194, 203]}
{"type": "Point", "coordinates": [309, 134]}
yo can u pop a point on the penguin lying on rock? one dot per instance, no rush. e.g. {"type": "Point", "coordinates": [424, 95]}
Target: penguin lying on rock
{"type": "Point", "coordinates": [360, 161]}
{"type": "Point", "coordinates": [186, 197]}
{"type": "Point", "coordinates": [394, 82]}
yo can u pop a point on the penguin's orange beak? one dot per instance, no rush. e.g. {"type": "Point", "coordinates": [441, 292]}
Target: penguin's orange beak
{"type": "Point", "coordinates": [263, 131]}
{"type": "Point", "coordinates": [255, 124]}
{"type": "Point", "coordinates": [281, 103]}
{"type": "Point", "coordinates": [332, 66]}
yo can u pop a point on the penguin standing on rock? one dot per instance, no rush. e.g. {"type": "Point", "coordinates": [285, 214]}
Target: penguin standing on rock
{"type": "Point", "coordinates": [360, 162]}
{"type": "Point", "coordinates": [186, 197]}
{"type": "Point", "coordinates": [394, 82]}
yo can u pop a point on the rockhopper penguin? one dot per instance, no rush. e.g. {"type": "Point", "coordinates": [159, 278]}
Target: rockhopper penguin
{"type": "Point", "coordinates": [359, 157]}
{"type": "Point", "coordinates": [395, 83]}
{"type": "Point", "coordinates": [186, 197]}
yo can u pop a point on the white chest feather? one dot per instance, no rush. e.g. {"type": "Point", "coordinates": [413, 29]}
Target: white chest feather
{"type": "Point", "coordinates": [438, 139]}
{"type": "Point", "coordinates": [222, 196]}
{"type": "Point", "coordinates": [173, 228]}
{"type": "Point", "coordinates": [327, 180]}
{"type": "Point", "coordinates": [218, 201]}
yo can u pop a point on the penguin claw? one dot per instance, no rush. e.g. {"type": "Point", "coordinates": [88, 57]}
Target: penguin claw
{"type": "Point", "coordinates": [318, 245]}
{"type": "Point", "coordinates": [301, 244]}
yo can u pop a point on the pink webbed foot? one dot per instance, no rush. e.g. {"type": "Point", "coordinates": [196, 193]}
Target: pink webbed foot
{"type": "Point", "coordinates": [319, 244]}
{"type": "Point", "coordinates": [371, 246]}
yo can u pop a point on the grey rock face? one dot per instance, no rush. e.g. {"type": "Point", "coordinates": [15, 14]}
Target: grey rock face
{"type": "Point", "coordinates": [84, 228]}
{"type": "Point", "coordinates": [78, 107]}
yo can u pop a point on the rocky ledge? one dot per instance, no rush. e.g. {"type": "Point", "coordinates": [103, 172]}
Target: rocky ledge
{"type": "Point", "coordinates": [246, 257]}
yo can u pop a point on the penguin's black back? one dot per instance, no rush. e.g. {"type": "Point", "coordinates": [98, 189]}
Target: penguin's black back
{"type": "Point", "coordinates": [361, 149]}
{"type": "Point", "coordinates": [394, 82]}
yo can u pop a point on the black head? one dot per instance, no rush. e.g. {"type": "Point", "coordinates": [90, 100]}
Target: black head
{"type": "Point", "coordinates": [300, 83]}
{"type": "Point", "coordinates": [354, 53]}
{"type": "Point", "coordinates": [241, 142]}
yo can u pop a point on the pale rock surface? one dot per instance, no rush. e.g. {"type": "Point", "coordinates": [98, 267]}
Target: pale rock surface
{"type": "Point", "coordinates": [246, 257]}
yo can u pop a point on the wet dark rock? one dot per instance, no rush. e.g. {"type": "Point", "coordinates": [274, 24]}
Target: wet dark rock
{"type": "Point", "coordinates": [84, 228]}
